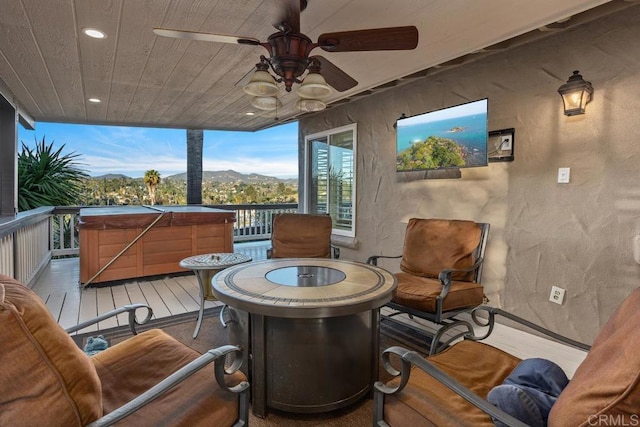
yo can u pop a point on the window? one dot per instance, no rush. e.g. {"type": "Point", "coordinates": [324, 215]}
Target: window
{"type": "Point", "coordinates": [330, 177]}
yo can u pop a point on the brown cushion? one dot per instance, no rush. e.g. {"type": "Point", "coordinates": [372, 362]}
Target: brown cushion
{"type": "Point", "coordinates": [424, 401]}
{"type": "Point", "coordinates": [606, 385]}
{"type": "Point", "coordinates": [420, 293]}
{"type": "Point", "coordinates": [301, 236]}
{"type": "Point", "coordinates": [431, 245]}
{"type": "Point", "coordinates": [140, 362]}
{"type": "Point", "coordinates": [43, 373]}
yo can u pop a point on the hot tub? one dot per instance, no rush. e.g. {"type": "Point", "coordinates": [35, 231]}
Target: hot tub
{"type": "Point", "coordinates": [148, 240]}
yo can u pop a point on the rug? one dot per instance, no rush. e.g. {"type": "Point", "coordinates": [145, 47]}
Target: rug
{"type": "Point", "coordinates": [212, 334]}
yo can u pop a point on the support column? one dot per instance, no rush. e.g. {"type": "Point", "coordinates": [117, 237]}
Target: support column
{"type": "Point", "coordinates": [8, 158]}
{"type": "Point", "coordinates": [194, 166]}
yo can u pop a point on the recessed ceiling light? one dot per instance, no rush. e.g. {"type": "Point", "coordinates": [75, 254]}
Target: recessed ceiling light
{"type": "Point", "coordinates": [250, 113]}
{"type": "Point", "coordinates": [95, 100]}
{"type": "Point", "coordinates": [92, 32]}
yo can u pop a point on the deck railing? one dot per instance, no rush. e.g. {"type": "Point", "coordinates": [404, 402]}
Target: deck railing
{"type": "Point", "coordinates": [32, 238]}
{"type": "Point", "coordinates": [253, 222]}
{"type": "Point", "coordinates": [64, 231]}
{"type": "Point", "coordinates": [24, 244]}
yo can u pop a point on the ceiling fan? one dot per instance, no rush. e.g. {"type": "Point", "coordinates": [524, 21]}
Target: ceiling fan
{"type": "Point", "coordinates": [289, 50]}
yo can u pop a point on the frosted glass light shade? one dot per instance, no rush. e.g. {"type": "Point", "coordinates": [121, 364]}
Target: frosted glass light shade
{"type": "Point", "coordinates": [267, 103]}
{"type": "Point", "coordinates": [310, 105]}
{"type": "Point", "coordinates": [314, 86]}
{"type": "Point", "coordinates": [261, 84]}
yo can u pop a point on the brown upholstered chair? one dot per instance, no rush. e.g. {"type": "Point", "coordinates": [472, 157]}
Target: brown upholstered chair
{"type": "Point", "coordinates": [451, 387]}
{"type": "Point", "coordinates": [301, 236]}
{"type": "Point", "coordinates": [441, 272]}
{"type": "Point", "coordinates": [148, 379]}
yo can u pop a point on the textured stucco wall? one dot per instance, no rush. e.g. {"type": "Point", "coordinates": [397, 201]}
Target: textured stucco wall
{"type": "Point", "coordinates": [577, 236]}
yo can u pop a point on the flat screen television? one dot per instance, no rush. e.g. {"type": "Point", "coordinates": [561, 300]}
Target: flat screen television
{"type": "Point", "coordinates": [453, 137]}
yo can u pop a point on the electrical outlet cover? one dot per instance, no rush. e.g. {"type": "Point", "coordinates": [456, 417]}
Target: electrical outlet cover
{"type": "Point", "coordinates": [557, 295]}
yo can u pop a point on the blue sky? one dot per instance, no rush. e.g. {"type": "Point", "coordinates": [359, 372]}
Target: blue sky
{"type": "Point", "coordinates": [133, 150]}
{"type": "Point", "coordinates": [475, 107]}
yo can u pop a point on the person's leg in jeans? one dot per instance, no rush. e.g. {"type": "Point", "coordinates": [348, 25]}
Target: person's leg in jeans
{"type": "Point", "coordinates": [529, 392]}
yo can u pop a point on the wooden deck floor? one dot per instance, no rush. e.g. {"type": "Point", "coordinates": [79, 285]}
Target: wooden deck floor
{"type": "Point", "coordinates": [69, 303]}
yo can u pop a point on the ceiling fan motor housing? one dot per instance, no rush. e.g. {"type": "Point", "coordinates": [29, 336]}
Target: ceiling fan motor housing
{"type": "Point", "coordinates": [289, 55]}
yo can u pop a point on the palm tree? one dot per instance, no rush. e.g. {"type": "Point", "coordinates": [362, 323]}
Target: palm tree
{"type": "Point", "coordinates": [47, 177]}
{"type": "Point", "coordinates": [194, 166]}
{"type": "Point", "coordinates": [151, 180]}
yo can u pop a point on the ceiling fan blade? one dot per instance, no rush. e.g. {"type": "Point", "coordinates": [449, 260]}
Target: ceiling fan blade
{"type": "Point", "coordinates": [207, 37]}
{"type": "Point", "coordinates": [335, 77]}
{"type": "Point", "coordinates": [392, 38]}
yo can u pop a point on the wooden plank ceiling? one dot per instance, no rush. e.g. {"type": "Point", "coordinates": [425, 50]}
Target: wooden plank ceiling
{"type": "Point", "coordinates": [51, 68]}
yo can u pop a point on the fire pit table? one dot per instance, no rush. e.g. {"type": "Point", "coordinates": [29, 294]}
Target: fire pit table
{"type": "Point", "coordinates": [311, 327]}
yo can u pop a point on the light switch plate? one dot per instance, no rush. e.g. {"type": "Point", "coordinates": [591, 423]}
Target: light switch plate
{"type": "Point", "coordinates": [564, 175]}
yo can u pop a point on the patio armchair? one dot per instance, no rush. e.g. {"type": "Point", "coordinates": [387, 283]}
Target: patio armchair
{"type": "Point", "coordinates": [295, 235]}
{"type": "Point", "coordinates": [441, 270]}
{"type": "Point", "coordinates": [147, 379]}
{"type": "Point", "coordinates": [451, 387]}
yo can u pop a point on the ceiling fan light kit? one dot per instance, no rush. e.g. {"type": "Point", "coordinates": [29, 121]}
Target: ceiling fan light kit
{"type": "Point", "coordinates": [312, 88]}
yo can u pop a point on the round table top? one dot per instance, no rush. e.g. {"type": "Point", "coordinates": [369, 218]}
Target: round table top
{"type": "Point", "coordinates": [214, 261]}
{"type": "Point", "coordinates": [304, 287]}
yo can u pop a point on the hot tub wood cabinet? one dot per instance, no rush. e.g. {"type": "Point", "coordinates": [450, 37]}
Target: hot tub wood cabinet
{"type": "Point", "coordinates": [165, 235]}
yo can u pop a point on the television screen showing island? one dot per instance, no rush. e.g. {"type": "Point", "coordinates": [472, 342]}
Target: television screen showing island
{"type": "Point", "coordinates": [454, 137]}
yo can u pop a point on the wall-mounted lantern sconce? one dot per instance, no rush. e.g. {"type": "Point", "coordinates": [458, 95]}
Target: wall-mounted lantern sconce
{"type": "Point", "coordinates": [576, 94]}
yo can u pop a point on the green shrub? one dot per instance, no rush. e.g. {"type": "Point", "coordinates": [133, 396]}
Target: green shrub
{"type": "Point", "coordinates": [46, 177]}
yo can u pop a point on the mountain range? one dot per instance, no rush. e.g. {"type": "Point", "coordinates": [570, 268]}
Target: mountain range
{"type": "Point", "coordinates": [228, 176]}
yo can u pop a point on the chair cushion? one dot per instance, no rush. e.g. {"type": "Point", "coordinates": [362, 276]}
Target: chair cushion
{"type": "Point", "coordinates": [424, 401]}
{"type": "Point", "coordinates": [131, 367]}
{"type": "Point", "coordinates": [301, 236]}
{"type": "Point", "coordinates": [43, 374]}
{"type": "Point", "coordinates": [420, 293]}
{"type": "Point", "coordinates": [431, 245]}
{"type": "Point", "coordinates": [605, 389]}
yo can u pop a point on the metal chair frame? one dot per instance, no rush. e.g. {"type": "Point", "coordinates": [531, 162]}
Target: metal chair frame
{"type": "Point", "coordinates": [218, 356]}
{"type": "Point", "coordinates": [447, 319]}
{"type": "Point", "coordinates": [410, 358]}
